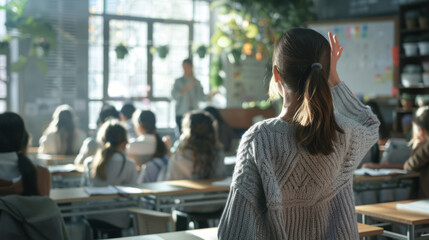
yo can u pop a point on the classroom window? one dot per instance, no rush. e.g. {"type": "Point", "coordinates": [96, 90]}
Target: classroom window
{"type": "Point", "coordinates": [143, 77]}
{"type": "Point", "coordinates": [3, 65]}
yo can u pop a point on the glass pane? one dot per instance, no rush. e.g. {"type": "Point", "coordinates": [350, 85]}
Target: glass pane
{"type": "Point", "coordinates": [3, 68]}
{"type": "Point", "coordinates": [94, 108]}
{"type": "Point", "coordinates": [95, 6]}
{"type": "Point", "coordinates": [165, 9]}
{"type": "Point", "coordinates": [201, 33]}
{"type": "Point", "coordinates": [3, 89]}
{"type": "Point", "coordinates": [202, 11]}
{"type": "Point", "coordinates": [3, 105]}
{"type": "Point", "coordinates": [95, 58]}
{"type": "Point", "coordinates": [176, 36]}
{"type": "Point", "coordinates": [201, 65]}
{"type": "Point", "coordinates": [162, 113]}
{"type": "Point", "coordinates": [141, 105]}
{"type": "Point", "coordinates": [2, 19]}
{"type": "Point", "coordinates": [128, 76]}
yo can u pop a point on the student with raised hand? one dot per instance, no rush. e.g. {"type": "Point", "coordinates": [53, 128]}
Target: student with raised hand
{"type": "Point", "coordinates": [62, 137]}
{"type": "Point", "coordinates": [293, 176]}
{"type": "Point", "coordinates": [18, 175]}
{"type": "Point", "coordinates": [148, 148]}
{"type": "Point", "coordinates": [90, 145]}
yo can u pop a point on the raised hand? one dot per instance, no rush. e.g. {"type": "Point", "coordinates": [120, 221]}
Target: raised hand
{"type": "Point", "coordinates": [336, 51]}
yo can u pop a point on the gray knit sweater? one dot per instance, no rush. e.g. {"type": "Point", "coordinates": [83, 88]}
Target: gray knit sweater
{"type": "Point", "coordinates": [280, 191]}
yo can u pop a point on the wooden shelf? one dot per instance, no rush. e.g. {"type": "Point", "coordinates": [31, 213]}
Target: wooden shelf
{"type": "Point", "coordinates": [418, 57]}
{"type": "Point", "coordinates": [416, 30]}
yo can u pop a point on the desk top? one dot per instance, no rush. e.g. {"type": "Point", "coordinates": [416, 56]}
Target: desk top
{"type": "Point", "coordinates": [211, 234]}
{"type": "Point", "coordinates": [65, 195]}
{"type": "Point", "coordinates": [387, 211]}
{"type": "Point", "coordinates": [385, 177]}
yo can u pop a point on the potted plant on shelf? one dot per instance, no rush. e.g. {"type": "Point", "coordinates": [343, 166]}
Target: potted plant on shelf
{"type": "Point", "coordinates": [424, 17]}
{"type": "Point", "coordinates": [411, 19]}
{"type": "Point", "coordinates": [121, 51]}
{"type": "Point", "coordinates": [423, 44]}
{"type": "Point", "coordinates": [411, 75]}
{"type": "Point", "coordinates": [201, 50]}
{"type": "Point", "coordinates": [407, 101]}
{"type": "Point", "coordinates": [410, 45]}
{"type": "Point", "coordinates": [422, 100]}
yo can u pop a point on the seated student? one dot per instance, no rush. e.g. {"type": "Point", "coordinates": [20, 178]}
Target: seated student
{"type": "Point", "coordinates": [90, 146]}
{"type": "Point", "coordinates": [18, 175]}
{"type": "Point", "coordinates": [26, 211]}
{"type": "Point", "coordinates": [199, 154]}
{"type": "Point", "coordinates": [148, 146]}
{"type": "Point", "coordinates": [62, 137]}
{"type": "Point", "coordinates": [126, 115]}
{"type": "Point", "coordinates": [110, 166]}
{"type": "Point", "coordinates": [225, 132]}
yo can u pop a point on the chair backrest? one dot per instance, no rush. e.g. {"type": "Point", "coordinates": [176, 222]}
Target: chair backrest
{"type": "Point", "coordinates": [151, 222]}
{"type": "Point", "coordinates": [30, 217]}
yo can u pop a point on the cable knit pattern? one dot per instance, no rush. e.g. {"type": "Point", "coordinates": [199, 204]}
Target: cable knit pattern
{"type": "Point", "coordinates": [280, 191]}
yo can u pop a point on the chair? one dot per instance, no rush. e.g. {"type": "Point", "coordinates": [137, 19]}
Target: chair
{"type": "Point", "coordinates": [151, 222]}
{"type": "Point", "coordinates": [199, 219]}
{"type": "Point", "coordinates": [30, 217]}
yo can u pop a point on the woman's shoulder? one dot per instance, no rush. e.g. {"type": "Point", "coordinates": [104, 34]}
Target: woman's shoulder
{"type": "Point", "coordinates": [271, 125]}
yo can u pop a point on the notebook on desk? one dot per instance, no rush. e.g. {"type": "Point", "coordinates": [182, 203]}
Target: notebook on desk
{"type": "Point", "coordinates": [378, 172]}
{"type": "Point", "coordinates": [418, 206]}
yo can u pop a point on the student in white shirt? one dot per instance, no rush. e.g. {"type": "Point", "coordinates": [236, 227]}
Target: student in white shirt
{"type": "Point", "coordinates": [62, 136]}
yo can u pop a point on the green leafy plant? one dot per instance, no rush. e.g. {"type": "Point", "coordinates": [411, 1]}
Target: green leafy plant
{"type": "Point", "coordinates": [162, 51]}
{"type": "Point", "coordinates": [407, 96]}
{"type": "Point", "coordinates": [40, 33]}
{"type": "Point", "coordinates": [201, 50]}
{"type": "Point", "coordinates": [121, 51]}
{"type": "Point", "coordinates": [4, 47]}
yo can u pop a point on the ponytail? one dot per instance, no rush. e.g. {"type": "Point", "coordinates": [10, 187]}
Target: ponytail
{"type": "Point", "coordinates": [161, 149]}
{"type": "Point", "coordinates": [101, 160]}
{"type": "Point", "coordinates": [317, 126]}
{"type": "Point", "coordinates": [28, 176]}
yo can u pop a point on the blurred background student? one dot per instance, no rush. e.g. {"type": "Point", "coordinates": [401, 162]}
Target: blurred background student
{"type": "Point", "coordinates": [148, 150]}
{"type": "Point", "coordinates": [126, 115]}
{"type": "Point", "coordinates": [62, 137]}
{"type": "Point", "coordinates": [110, 166]}
{"type": "Point", "coordinates": [225, 133]}
{"type": "Point", "coordinates": [90, 145]}
{"type": "Point", "coordinates": [18, 175]}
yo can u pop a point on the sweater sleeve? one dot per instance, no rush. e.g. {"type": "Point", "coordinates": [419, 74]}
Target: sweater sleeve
{"type": "Point", "coordinates": [419, 158]}
{"type": "Point", "coordinates": [239, 218]}
{"type": "Point", "coordinates": [246, 203]}
{"type": "Point", "coordinates": [364, 129]}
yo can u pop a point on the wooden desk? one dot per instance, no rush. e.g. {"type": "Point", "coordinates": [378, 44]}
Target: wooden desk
{"type": "Point", "coordinates": [211, 234]}
{"type": "Point", "coordinates": [49, 159]}
{"type": "Point", "coordinates": [371, 183]}
{"type": "Point", "coordinates": [161, 195]}
{"type": "Point", "coordinates": [387, 212]}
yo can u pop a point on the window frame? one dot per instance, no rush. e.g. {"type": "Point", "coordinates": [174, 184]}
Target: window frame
{"type": "Point", "coordinates": [106, 18]}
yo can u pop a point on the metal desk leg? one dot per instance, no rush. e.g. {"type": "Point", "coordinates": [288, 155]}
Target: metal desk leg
{"type": "Point", "coordinates": [410, 232]}
{"type": "Point", "coordinates": [363, 222]}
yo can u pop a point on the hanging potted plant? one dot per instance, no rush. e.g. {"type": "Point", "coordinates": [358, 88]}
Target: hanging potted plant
{"type": "Point", "coordinates": [407, 101]}
{"type": "Point", "coordinates": [121, 51]}
{"type": "Point", "coordinates": [4, 47]}
{"type": "Point", "coordinates": [201, 51]}
{"type": "Point", "coordinates": [162, 51]}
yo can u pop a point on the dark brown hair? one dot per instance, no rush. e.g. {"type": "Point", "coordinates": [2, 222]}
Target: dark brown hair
{"type": "Point", "coordinates": [200, 135]}
{"type": "Point", "coordinates": [14, 138]}
{"type": "Point", "coordinates": [147, 120]}
{"type": "Point", "coordinates": [295, 53]}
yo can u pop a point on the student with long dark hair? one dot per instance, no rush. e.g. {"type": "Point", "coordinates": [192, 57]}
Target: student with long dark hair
{"type": "Point", "coordinates": [62, 136]}
{"type": "Point", "coordinates": [18, 175]}
{"type": "Point", "coordinates": [225, 132]}
{"type": "Point", "coordinates": [148, 147]}
{"type": "Point", "coordinates": [199, 154]}
{"type": "Point", "coordinates": [294, 174]}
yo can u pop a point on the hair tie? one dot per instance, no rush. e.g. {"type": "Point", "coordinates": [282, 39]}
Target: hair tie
{"type": "Point", "coordinates": [316, 64]}
{"type": "Point", "coordinates": [109, 140]}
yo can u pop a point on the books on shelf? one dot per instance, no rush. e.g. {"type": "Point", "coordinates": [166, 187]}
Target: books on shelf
{"type": "Point", "coordinates": [378, 172]}
{"type": "Point", "coordinates": [418, 206]}
{"type": "Point", "coordinates": [112, 190]}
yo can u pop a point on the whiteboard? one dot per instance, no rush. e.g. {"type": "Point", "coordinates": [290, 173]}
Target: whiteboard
{"type": "Point", "coordinates": [366, 64]}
